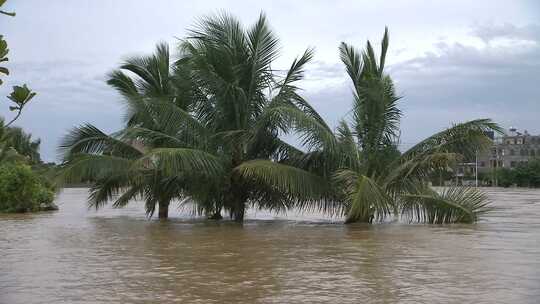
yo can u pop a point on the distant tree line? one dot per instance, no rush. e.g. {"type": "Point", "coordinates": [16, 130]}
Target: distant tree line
{"type": "Point", "coordinates": [524, 175]}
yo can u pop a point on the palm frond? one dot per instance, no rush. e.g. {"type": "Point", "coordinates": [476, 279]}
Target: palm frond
{"type": "Point", "coordinates": [465, 138]}
{"type": "Point", "coordinates": [288, 179]}
{"type": "Point", "coordinates": [417, 169]}
{"type": "Point", "coordinates": [152, 72]}
{"type": "Point", "coordinates": [263, 46]}
{"type": "Point", "coordinates": [451, 205]}
{"type": "Point", "coordinates": [295, 73]}
{"type": "Point", "coordinates": [384, 49]}
{"type": "Point", "coordinates": [89, 139]}
{"type": "Point", "coordinates": [132, 192]}
{"type": "Point", "coordinates": [366, 200]}
{"type": "Point", "coordinates": [313, 134]}
{"type": "Point", "coordinates": [174, 161]}
{"type": "Point", "coordinates": [89, 167]}
{"type": "Point", "coordinates": [123, 84]}
{"type": "Point", "coordinates": [352, 61]}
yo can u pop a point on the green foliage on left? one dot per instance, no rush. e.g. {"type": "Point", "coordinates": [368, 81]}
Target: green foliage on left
{"type": "Point", "coordinates": [22, 190]}
{"type": "Point", "coordinates": [21, 95]}
{"type": "Point", "coordinates": [24, 186]}
{"type": "Point", "coordinates": [17, 145]}
{"type": "Point", "coordinates": [25, 182]}
{"type": "Point", "coordinates": [3, 56]}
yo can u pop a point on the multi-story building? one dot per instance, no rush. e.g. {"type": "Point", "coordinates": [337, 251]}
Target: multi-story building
{"type": "Point", "coordinates": [510, 150]}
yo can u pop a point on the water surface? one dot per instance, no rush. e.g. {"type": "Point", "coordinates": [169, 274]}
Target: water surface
{"type": "Point", "coordinates": [119, 256]}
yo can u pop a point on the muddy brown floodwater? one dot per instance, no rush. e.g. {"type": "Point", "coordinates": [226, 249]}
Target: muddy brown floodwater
{"type": "Point", "coordinates": [118, 256]}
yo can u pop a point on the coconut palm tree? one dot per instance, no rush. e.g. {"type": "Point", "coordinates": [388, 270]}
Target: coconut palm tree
{"type": "Point", "coordinates": [188, 133]}
{"type": "Point", "coordinates": [146, 85]}
{"type": "Point", "coordinates": [15, 144]}
{"type": "Point", "coordinates": [369, 178]}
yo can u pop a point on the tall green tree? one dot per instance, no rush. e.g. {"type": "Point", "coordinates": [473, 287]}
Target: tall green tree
{"type": "Point", "coordinates": [191, 127]}
{"type": "Point", "coordinates": [360, 162]}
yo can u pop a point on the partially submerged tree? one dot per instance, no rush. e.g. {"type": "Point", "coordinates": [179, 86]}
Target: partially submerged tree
{"type": "Point", "coordinates": [222, 107]}
{"type": "Point", "coordinates": [369, 177]}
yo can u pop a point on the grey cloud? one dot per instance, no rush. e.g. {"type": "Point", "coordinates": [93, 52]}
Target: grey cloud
{"type": "Point", "coordinates": [453, 84]}
{"type": "Point", "coordinates": [489, 32]}
{"type": "Point", "coordinates": [320, 70]}
{"type": "Point", "coordinates": [69, 93]}
{"type": "Point", "coordinates": [461, 82]}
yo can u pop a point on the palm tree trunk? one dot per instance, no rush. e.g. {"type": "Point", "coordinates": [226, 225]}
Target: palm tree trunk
{"type": "Point", "coordinates": [368, 219]}
{"type": "Point", "coordinates": [238, 208]}
{"type": "Point", "coordinates": [163, 212]}
{"type": "Point", "coordinates": [216, 216]}
{"type": "Point", "coordinates": [239, 212]}
{"type": "Point", "coordinates": [237, 199]}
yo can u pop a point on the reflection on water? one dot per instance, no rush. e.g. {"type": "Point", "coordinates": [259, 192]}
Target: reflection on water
{"type": "Point", "coordinates": [118, 256]}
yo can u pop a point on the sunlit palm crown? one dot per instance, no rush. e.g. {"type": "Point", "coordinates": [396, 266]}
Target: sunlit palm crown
{"type": "Point", "coordinates": [205, 130]}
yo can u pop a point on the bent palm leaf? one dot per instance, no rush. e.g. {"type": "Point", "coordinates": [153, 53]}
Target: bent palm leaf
{"type": "Point", "coordinates": [451, 205]}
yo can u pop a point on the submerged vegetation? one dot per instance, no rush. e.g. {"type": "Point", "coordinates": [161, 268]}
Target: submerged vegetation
{"type": "Point", "coordinates": [207, 130]}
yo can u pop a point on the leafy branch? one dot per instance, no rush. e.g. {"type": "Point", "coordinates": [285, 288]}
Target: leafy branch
{"type": "Point", "coordinates": [21, 95]}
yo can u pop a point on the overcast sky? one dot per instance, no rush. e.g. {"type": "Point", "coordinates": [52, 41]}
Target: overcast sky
{"type": "Point", "coordinates": [451, 60]}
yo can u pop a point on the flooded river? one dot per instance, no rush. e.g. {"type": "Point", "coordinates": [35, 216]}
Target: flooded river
{"type": "Point", "coordinates": [118, 256]}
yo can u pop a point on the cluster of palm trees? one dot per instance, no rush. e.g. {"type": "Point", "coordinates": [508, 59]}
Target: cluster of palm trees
{"type": "Point", "coordinates": [206, 130]}
{"type": "Point", "coordinates": [17, 145]}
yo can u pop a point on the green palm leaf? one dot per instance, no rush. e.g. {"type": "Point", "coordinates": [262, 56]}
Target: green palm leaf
{"type": "Point", "coordinates": [288, 179]}
{"type": "Point", "coordinates": [89, 139]}
{"type": "Point", "coordinates": [173, 161]}
{"type": "Point", "coordinates": [451, 205]}
{"type": "Point", "coordinates": [464, 138]}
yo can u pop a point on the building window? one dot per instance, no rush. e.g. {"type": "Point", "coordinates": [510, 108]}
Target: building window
{"type": "Point", "coordinates": [520, 141]}
{"type": "Point", "coordinates": [532, 152]}
{"type": "Point", "coordinates": [512, 164]}
{"type": "Point", "coordinates": [512, 152]}
{"type": "Point", "coordinates": [523, 152]}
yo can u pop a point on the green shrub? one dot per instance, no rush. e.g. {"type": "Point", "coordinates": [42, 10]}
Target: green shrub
{"type": "Point", "coordinates": [528, 174]}
{"type": "Point", "coordinates": [21, 190]}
